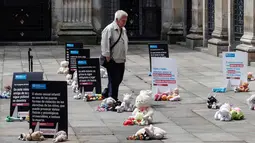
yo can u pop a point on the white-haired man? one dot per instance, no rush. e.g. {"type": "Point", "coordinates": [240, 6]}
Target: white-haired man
{"type": "Point", "coordinates": [114, 46]}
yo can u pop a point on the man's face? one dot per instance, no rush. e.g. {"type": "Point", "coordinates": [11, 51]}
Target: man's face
{"type": "Point", "coordinates": [122, 22]}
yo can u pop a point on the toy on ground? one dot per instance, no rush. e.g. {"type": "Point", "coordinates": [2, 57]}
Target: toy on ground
{"type": "Point", "coordinates": [148, 133]}
{"type": "Point", "coordinates": [137, 120]}
{"type": "Point", "coordinates": [236, 114]}
{"type": "Point", "coordinates": [63, 68]}
{"type": "Point", "coordinates": [108, 104]}
{"type": "Point", "coordinates": [93, 97]}
{"type": "Point", "coordinates": [60, 137]}
{"type": "Point", "coordinates": [213, 103]}
{"type": "Point", "coordinates": [13, 119]}
{"type": "Point", "coordinates": [143, 105]}
{"type": "Point", "coordinates": [32, 136]}
{"type": "Point", "coordinates": [251, 102]}
{"type": "Point", "coordinates": [69, 79]}
{"type": "Point", "coordinates": [243, 87]}
{"type": "Point", "coordinates": [224, 113]}
{"type": "Point", "coordinates": [27, 118]}
{"type": "Point", "coordinates": [103, 73]}
{"type": "Point", "coordinates": [74, 84]}
{"type": "Point", "coordinates": [77, 96]}
{"type": "Point", "coordinates": [126, 104]}
{"type": "Point", "coordinates": [7, 92]}
{"type": "Point", "coordinates": [168, 96]}
{"type": "Point", "coordinates": [219, 90]}
{"type": "Point", "coordinates": [250, 76]}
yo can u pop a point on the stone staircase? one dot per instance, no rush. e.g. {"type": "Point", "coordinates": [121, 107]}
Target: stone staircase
{"type": "Point", "coordinates": [77, 33]}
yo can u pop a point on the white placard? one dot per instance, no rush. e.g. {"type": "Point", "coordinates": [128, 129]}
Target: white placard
{"type": "Point", "coordinates": [164, 74]}
{"type": "Point", "coordinates": [235, 68]}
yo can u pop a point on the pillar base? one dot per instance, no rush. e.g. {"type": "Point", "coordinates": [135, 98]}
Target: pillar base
{"type": "Point", "coordinates": [194, 40]}
{"type": "Point", "coordinates": [249, 49]}
{"type": "Point", "coordinates": [175, 36]}
{"type": "Point", "coordinates": [77, 33]}
{"type": "Point", "coordinates": [217, 46]}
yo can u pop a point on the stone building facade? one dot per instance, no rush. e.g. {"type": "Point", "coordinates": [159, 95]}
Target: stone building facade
{"type": "Point", "coordinates": [214, 25]}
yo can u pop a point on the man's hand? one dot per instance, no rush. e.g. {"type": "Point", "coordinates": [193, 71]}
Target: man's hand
{"type": "Point", "coordinates": [108, 59]}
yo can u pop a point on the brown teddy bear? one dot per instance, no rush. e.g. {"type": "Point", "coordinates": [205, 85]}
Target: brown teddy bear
{"type": "Point", "coordinates": [243, 87]}
{"type": "Point", "coordinates": [32, 136]}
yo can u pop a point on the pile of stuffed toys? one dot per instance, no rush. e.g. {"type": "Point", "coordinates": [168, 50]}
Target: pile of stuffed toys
{"type": "Point", "coordinates": [7, 92]}
{"type": "Point", "coordinates": [168, 96]}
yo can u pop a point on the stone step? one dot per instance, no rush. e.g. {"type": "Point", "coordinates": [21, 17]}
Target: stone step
{"type": "Point", "coordinates": [28, 43]}
{"type": "Point", "coordinates": [77, 33]}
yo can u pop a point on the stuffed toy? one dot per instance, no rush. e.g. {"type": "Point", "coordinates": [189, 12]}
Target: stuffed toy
{"type": "Point", "coordinates": [143, 105]}
{"type": "Point", "coordinates": [13, 119]}
{"type": "Point", "coordinates": [148, 133]}
{"type": "Point", "coordinates": [250, 76]}
{"type": "Point", "coordinates": [136, 120]}
{"type": "Point", "coordinates": [219, 90]}
{"type": "Point", "coordinates": [125, 105]}
{"type": "Point", "coordinates": [27, 118]}
{"type": "Point", "coordinates": [60, 137]}
{"type": "Point", "coordinates": [32, 136]}
{"type": "Point", "coordinates": [243, 87]}
{"type": "Point", "coordinates": [69, 79]}
{"type": "Point", "coordinates": [251, 102]}
{"type": "Point", "coordinates": [236, 114]}
{"type": "Point", "coordinates": [77, 96]}
{"type": "Point", "coordinates": [168, 96]}
{"type": "Point", "coordinates": [108, 104]}
{"type": "Point", "coordinates": [212, 103]}
{"type": "Point", "coordinates": [224, 113]}
{"type": "Point", "coordinates": [63, 68]}
{"type": "Point", "coordinates": [103, 73]}
{"type": "Point", "coordinates": [74, 84]}
{"type": "Point", "coordinates": [93, 97]}
{"type": "Point", "coordinates": [7, 92]}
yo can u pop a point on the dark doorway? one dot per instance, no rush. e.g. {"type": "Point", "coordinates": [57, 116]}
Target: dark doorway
{"type": "Point", "coordinates": [238, 18]}
{"type": "Point", "coordinates": [26, 20]}
{"type": "Point", "coordinates": [189, 15]}
{"type": "Point", "coordinates": [144, 20]}
{"type": "Point", "coordinates": [210, 17]}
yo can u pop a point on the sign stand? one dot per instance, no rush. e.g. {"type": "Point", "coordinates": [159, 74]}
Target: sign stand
{"type": "Point", "coordinates": [37, 127]}
{"type": "Point", "coordinates": [30, 61]}
{"type": "Point", "coordinates": [15, 112]}
{"type": "Point", "coordinates": [229, 87]}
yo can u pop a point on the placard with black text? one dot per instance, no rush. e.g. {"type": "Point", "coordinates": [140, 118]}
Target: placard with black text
{"type": "Point", "coordinates": [88, 74]}
{"type": "Point", "coordinates": [70, 45]}
{"type": "Point", "coordinates": [74, 54]}
{"type": "Point", "coordinates": [48, 106]}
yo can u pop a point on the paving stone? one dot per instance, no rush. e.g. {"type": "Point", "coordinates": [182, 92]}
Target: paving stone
{"type": "Point", "coordinates": [92, 131]}
{"type": "Point", "coordinates": [216, 137]}
{"type": "Point", "coordinates": [98, 139]}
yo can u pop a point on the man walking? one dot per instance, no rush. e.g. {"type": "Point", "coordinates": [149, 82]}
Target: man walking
{"type": "Point", "coordinates": [114, 46]}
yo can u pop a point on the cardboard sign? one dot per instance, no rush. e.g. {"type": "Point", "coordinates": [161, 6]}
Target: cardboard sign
{"type": "Point", "coordinates": [164, 75]}
{"type": "Point", "coordinates": [158, 50]}
{"type": "Point", "coordinates": [48, 107]}
{"type": "Point", "coordinates": [19, 106]}
{"type": "Point", "coordinates": [70, 45]}
{"type": "Point", "coordinates": [235, 68]}
{"type": "Point", "coordinates": [74, 54]}
{"type": "Point", "coordinates": [88, 74]}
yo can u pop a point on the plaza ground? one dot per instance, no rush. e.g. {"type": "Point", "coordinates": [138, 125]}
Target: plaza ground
{"type": "Point", "coordinates": [187, 121]}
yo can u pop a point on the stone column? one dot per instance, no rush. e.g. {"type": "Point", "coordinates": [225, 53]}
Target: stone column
{"type": "Point", "coordinates": [219, 41]}
{"type": "Point", "coordinates": [177, 21]}
{"type": "Point", "coordinates": [231, 35]}
{"type": "Point", "coordinates": [77, 22]}
{"type": "Point", "coordinates": [195, 38]}
{"type": "Point", "coordinates": [205, 23]}
{"type": "Point", "coordinates": [166, 18]}
{"type": "Point", "coordinates": [248, 39]}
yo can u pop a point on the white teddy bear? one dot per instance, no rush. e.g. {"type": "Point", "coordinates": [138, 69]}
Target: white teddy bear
{"type": "Point", "coordinates": [143, 105]}
{"type": "Point", "coordinates": [251, 102]}
{"type": "Point", "coordinates": [74, 84]}
{"type": "Point", "coordinates": [60, 137]}
{"type": "Point", "coordinates": [69, 79]}
{"type": "Point", "coordinates": [125, 105]}
{"type": "Point", "coordinates": [153, 132]}
{"type": "Point", "coordinates": [63, 68]}
{"type": "Point", "coordinates": [103, 73]}
{"type": "Point", "coordinates": [224, 113]}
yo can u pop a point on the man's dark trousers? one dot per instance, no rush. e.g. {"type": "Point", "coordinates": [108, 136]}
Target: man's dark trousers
{"type": "Point", "coordinates": [115, 76]}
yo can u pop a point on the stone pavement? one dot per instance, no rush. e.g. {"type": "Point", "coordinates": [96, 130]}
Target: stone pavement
{"type": "Point", "coordinates": [187, 121]}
